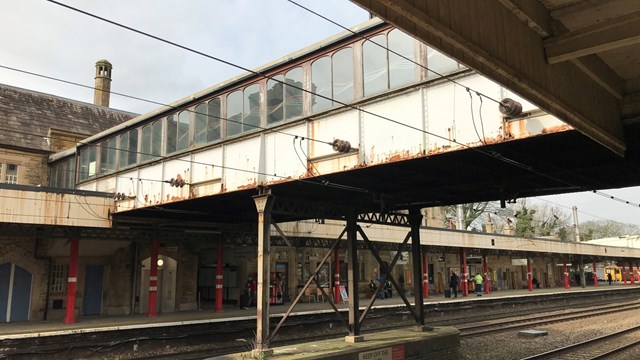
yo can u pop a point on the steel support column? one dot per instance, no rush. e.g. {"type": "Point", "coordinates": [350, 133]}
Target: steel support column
{"type": "Point", "coordinates": [632, 274]}
{"type": "Point", "coordinates": [529, 275]}
{"type": "Point", "coordinates": [595, 275]}
{"type": "Point", "coordinates": [264, 203]}
{"type": "Point", "coordinates": [425, 276]}
{"type": "Point", "coordinates": [486, 275]}
{"type": "Point", "coordinates": [336, 277]}
{"type": "Point", "coordinates": [623, 273]}
{"type": "Point", "coordinates": [219, 277]}
{"type": "Point", "coordinates": [566, 274]}
{"type": "Point", "coordinates": [153, 279]}
{"type": "Point", "coordinates": [353, 276]}
{"type": "Point", "coordinates": [72, 281]}
{"type": "Point", "coordinates": [415, 219]}
{"type": "Point", "coordinates": [463, 271]}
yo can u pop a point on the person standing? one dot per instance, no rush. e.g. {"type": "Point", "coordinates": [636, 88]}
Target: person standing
{"type": "Point", "coordinates": [478, 280]}
{"type": "Point", "coordinates": [609, 278]}
{"type": "Point", "coordinates": [453, 283]}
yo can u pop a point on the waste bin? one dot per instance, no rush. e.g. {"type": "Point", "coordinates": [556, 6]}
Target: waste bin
{"type": "Point", "coordinates": [447, 293]}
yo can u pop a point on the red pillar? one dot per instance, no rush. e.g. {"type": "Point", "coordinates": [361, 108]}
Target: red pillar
{"type": "Point", "coordinates": [219, 278]}
{"type": "Point", "coordinates": [529, 275]}
{"type": "Point", "coordinates": [72, 282]}
{"type": "Point", "coordinates": [638, 273]}
{"type": "Point", "coordinates": [336, 276]}
{"type": "Point", "coordinates": [425, 276]}
{"type": "Point", "coordinates": [465, 275]}
{"type": "Point", "coordinates": [632, 274]}
{"type": "Point", "coordinates": [486, 275]}
{"type": "Point", "coordinates": [623, 273]}
{"type": "Point", "coordinates": [595, 275]}
{"type": "Point", "coordinates": [153, 279]}
{"type": "Point", "coordinates": [566, 275]}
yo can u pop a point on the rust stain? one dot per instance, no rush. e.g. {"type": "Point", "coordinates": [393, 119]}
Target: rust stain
{"type": "Point", "coordinates": [556, 129]}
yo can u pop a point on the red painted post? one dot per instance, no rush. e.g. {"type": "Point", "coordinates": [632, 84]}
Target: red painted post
{"type": "Point", "coordinates": [638, 273]}
{"type": "Point", "coordinates": [623, 273]}
{"type": "Point", "coordinates": [425, 276]}
{"type": "Point", "coordinates": [595, 275]}
{"type": "Point", "coordinates": [566, 276]}
{"type": "Point", "coordinates": [336, 276]}
{"type": "Point", "coordinates": [529, 275]}
{"type": "Point", "coordinates": [632, 274]}
{"type": "Point", "coordinates": [486, 275]}
{"type": "Point", "coordinates": [72, 282]}
{"type": "Point", "coordinates": [219, 277]}
{"type": "Point", "coordinates": [465, 275]}
{"type": "Point", "coordinates": [153, 279]}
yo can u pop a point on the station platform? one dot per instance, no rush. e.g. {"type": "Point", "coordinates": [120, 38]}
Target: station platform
{"type": "Point", "coordinates": [89, 324]}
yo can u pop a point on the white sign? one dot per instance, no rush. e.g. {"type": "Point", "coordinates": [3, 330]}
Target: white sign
{"type": "Point", "coordinates": [379, 354]}
{"type": "Point", "coordinates": [517, 262]}
{"type": "Point", "coordinates": [343, 293]}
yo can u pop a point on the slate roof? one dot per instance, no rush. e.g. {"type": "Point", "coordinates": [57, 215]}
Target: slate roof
{"type": "Point", "coordinates": [24, 112]}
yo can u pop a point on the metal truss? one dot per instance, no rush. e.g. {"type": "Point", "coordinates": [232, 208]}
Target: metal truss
{"type": "Point", "coordinates": [393, 219]}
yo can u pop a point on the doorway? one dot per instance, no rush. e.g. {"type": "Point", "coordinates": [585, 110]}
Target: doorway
{"type": "Point", "coordinates": [92, 301]}
{"type": "Point", "coordinates": [166, 300]}
{"type": "Point", "coordinates": [15, 293]}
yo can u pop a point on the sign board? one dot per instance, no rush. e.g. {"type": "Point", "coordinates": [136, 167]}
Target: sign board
{"type": "Point", "coordinates": [343, 294]}
{"type": "Point", "coordinates": [378, 354]}
{"type": "Point", "coordinates": [519, 262]}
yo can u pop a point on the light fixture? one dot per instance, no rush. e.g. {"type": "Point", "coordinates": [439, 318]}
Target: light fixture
{"type": "Point", "coordinates": [160, 262]}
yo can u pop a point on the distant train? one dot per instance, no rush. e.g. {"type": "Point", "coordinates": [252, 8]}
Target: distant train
{"type": "Point", "coordinates": [615, 271]}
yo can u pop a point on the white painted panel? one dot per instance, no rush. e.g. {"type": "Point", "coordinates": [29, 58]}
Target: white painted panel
{"type": "Point", "coordinates": [384, 139]}
{"type": "Point", "coordinates": [452, 113]}
{"type": "Point", "coordinates": [242, 163]}
{"type": "Point", "coordinates": [150, 185]}
{"type": "Point", "coordinates": [342, 126]}
{"type": "Point", "coordinates": [207, 172]}
{"type": "Point", "coordinates": [173, 169]}
{"type": "Point", "coordinates": [88, 186]}
{"type": "Point", "coordinates": [285, 155]}
{"type": "Point", "coordinates": [107, 184]}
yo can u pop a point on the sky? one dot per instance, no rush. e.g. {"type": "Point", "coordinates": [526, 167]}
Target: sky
{"type": "Point", "coordinates": [42, 37]}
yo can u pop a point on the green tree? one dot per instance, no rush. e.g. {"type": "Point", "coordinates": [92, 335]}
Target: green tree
{"type": "Point", "coordinates": [524, 222]}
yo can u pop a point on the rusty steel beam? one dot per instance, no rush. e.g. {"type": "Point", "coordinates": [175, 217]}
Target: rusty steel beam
{"type": "Point", "coordinates": [264, 203]}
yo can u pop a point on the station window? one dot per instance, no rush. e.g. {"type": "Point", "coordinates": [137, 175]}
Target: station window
{"type": "Point", "coordinates": [439, 63]}
{"type": "Point", "coordinates": [151, 141]}
{"type": "Point", "coordinates": [342, 76]}
{"type": "Point", "coordinates": [321, 84]}
{"type": "Point", "coordinates": [59, 278]}
{"type": "Point", "coordinates": [178, 127]}
{"type": "Point", "coordinates": [62, 174]}
{"type": "Point", "coordinates": [285, 96]}
{"type": "Point", "coordinates": [251, 108]}
{"type": "Point", "coordinates": [88, 162]}
{"type": "Point", "coordinates": [374, 65]}
{"type": "Point", "coordinates": [234, 113]}
{"type": "Point", "coordinates": [401, 71]}
{"type": "Point", "coordinates": [108, 155]}
{"type": "Point", "coordinates": [207, 122]}
{"type": "Point", "coordinates": [128, 148]}
{"type": "Point", "coordinates": [10, 173]}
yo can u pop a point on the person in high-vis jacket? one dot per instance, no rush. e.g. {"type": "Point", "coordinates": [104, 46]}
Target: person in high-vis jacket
{"type": "Point", "coordinates": [478, 281]}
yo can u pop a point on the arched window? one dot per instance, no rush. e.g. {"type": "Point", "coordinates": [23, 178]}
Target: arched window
{"type": "Point", "coordinates": [251, 108]}
{"type": "Point", "coordinates": [151, 141]}
{"type": "Point", "coordinates": [207, 122]}
{"type": "Point", "coordinates": [374, 65]}
{"type": "Point", "coordinates": [184, 124]}
{"type": "Point", "coordinates": [321, 84]}
{"type": "Point", "coordinates": [88, 162]}
{"type": "Point", "coordinates": [234, 113]}
{"type": "Point", "coordinates": [440, 63]}
{"type": "Point", "coordinates": [108, 153]}
{"type": "Point", "coordinates": [342, 71]}
{"type": "Point", "coordinates": [293, 94]}
{"type": "Point", "coordinates": [275, 99]}
{"type": "Point", "coordinates": [401, 71]}
{"type": "Point", "coordinates": [128, 148]}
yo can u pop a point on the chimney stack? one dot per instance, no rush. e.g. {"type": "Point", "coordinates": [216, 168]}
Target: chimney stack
{"type": "Point", "coordinates": [103, 83]}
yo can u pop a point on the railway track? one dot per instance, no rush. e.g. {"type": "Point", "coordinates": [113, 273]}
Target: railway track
{"type": "Point", "coordinates": [490, 327]}
{"type": "Point", "coordinates": [596, 348]}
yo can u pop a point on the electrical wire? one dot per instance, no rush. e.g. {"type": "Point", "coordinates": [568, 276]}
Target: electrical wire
{"type": "Point", "coordinates": [473, 120]}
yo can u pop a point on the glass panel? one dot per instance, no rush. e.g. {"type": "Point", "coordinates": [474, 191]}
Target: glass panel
{"type": "Point", "coordinates": [251, 108]}
{"type": "Point", "coordinates": [53, 175]}
{"type": "Point", "coordinates": [200, 125]}
{"type": "Point", "coordinates": [213, 120]}
{"type": "Point", "coordinates": [124, 146]}
{"type": "Point", "coordinates": [172, 134]}
{"type": "Point", "coordinates": [87, 164]}
{"type": "Point", "coordinates": [321, 84]}
{"type": "Point", "coordinates": [104, 157]}
{"type": "Point", "coordinates": [343, 76]}
{"type": "Point", "coordinates": [145, 148]}
{"type": "Point", "coordinates": [275, 99]}
{"type": "Point", "coordinates": [374, 65]}
{"type": "Point", "coordinates": [234, 113]}
{"type": "Point", "coordinates": [293, 94]}
{"type": "Point", "coordinates": [133, 147]}
{"type": "Point", "coordinates": [156, 139]}
{"type": "Point", "coordinates": [401, 71]}
{"type": "Point", "coordinates": [68, 172]}
{"type": "Point", "coordinates": [183, 131]}
{"type": "Point", "coordinates": [111, 154]}
{"type": "Point", "coordinates": [439, 63]}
